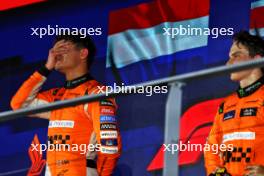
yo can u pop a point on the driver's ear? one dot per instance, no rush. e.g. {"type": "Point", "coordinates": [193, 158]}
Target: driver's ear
{"type": "Point", "coordinates": [84, 53]}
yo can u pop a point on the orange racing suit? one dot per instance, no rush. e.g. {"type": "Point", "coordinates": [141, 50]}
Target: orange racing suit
{"type": "Point", "coordinates": [240, 123]}
{"type": "Point", "coordinates": [92, 125]}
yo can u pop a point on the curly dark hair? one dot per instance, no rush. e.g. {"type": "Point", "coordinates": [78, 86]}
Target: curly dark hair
{"type": "Point", "coordinates": [81, 42]}
{"type": "Point", "coordinates": [254, 43]}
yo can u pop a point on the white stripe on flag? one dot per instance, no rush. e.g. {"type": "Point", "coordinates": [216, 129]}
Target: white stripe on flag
{"type": "Point", "coordinates": [144, 44]}
{"type": "Point", "coordinates": [257, 4]}
{"type": "Point", "coordinates": [260, 31]}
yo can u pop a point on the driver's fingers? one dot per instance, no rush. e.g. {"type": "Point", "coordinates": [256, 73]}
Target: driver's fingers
{"type": "Point", "coordinates": [61, 43]}
{"type": "Point", "coordinates": [60, 49]}
{"type": "Point", "coordinates": [60, 52]}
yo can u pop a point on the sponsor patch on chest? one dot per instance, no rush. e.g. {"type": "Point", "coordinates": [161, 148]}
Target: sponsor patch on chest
{"type": "Point", "coordinates": [105, 118]}
{"type": "Point", "coordinates": [61, 124]}
{"type": "Point", "coordinates": [252, 111]}
{"type": "Point", "coordinates": [107, 111]}
{"type": "Point", "coordinates": [106, 103]}
{"type": "Point", "coordinates": [108, 134]}
{"type": "Point", "coordinates": [108, 126]}
{"type": "Point", "coordinates": [109, 142]}
{"type": "Point", "coordinates": [229, 115]}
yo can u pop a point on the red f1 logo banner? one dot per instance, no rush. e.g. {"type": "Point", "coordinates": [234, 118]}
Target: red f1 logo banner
{"type": "Point", "coordinates": [35, 155]}
{"type": "Point", "coordinates": [5, 5]}
{"type": "Point", "coordinates": [195, 126]}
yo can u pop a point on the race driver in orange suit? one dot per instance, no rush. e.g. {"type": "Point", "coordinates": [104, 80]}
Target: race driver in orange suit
{"type": "Point", "coordinates": [92, 125]}
{"type": "Point", "coordinates": [240, 118]}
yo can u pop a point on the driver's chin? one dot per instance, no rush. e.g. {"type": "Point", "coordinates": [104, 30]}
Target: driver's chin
{"type": "Point", "coordinates": [59, 67]}
{"type": "Point", "coordinates": [235, 77]}
{"type": "Point", "coordinates": [238, 76]}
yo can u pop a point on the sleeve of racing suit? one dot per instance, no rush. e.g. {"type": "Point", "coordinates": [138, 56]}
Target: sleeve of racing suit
{"type": "Point", "coordinates": [212, 160]}
{"type": "Point", "coordinates": [28, 94]}
{"type": "Point", "coordinates": [107, 135]}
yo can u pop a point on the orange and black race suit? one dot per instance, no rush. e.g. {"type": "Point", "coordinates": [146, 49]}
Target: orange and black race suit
{"type": "Point", "coordinates": [240, 123]}
{"type": "Point", "coordinates": [82, 139]}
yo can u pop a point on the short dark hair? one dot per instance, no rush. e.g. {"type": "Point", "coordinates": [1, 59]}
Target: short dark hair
{"type": "Point", "coordinates": [81, 42]}
{"type": "Point", "coordinates": [254, 43]}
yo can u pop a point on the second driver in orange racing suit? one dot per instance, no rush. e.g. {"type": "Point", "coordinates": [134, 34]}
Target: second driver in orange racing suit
{"type": "Point", "coordinates": [92, 125]}
{"type": "Point", "coordinates": [240, 120]}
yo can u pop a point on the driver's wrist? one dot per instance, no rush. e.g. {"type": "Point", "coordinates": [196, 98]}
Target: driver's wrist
{"type": "Point", "coordinates": [44, 71]}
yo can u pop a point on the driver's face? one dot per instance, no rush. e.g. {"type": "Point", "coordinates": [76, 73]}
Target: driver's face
{"type": "Point", "coordinates": [238, 53]}
{"type": "Point", "coordinates": [68, 60]}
